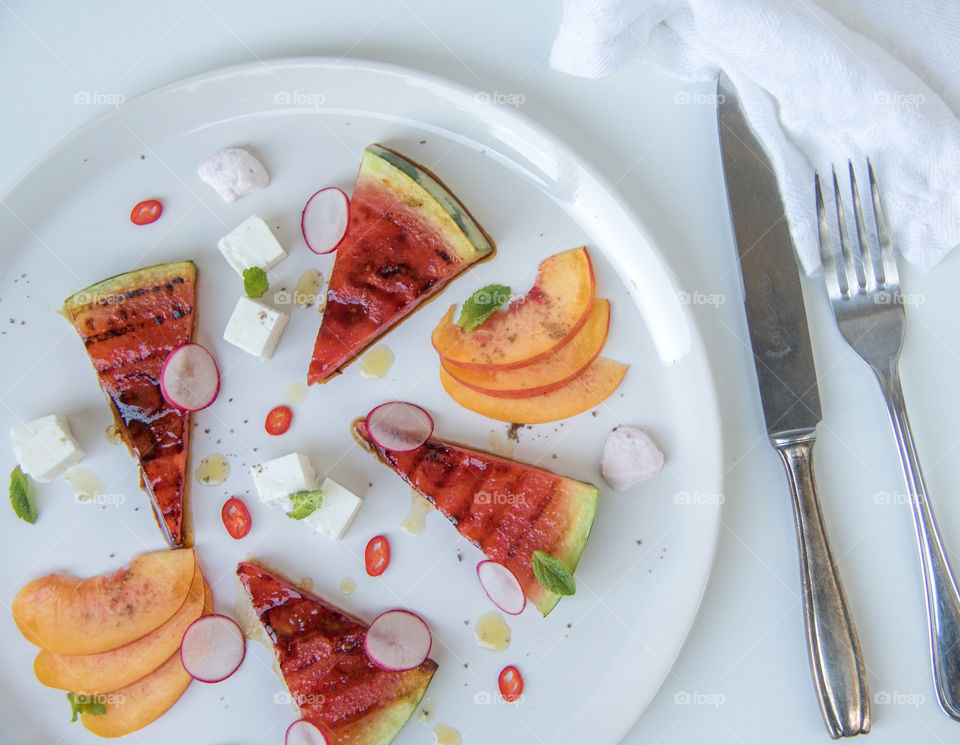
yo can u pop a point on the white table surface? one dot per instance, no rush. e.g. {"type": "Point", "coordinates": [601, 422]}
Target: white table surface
{"type": "Point", "coordinates": [743, 675]}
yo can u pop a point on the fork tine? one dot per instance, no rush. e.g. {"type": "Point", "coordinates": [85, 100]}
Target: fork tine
{"type": "Point", "coordinates": [871, 280]}
{"type": "Point", "coordinates": [849, 275]}
{"type": "Point", "coordinates": [827, 253]}
{"type": "Point", "coordinates": [890, 273]}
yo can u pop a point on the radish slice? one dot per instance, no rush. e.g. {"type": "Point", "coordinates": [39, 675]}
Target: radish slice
{"type": "Point", "coordinates": [305, 732]}
{"type": "Point", "coordinates": [324, 220]}
{"type": "Point", "coordinates": [212, 648]}
{"type": "Point", "coordinates": [501, 586]}
{"type": "Point", "coordinates": [189, 379]}
{"type": "Point", "coordinates": [398, 640]}
{"type": "Point", "coordinates": [399, 426]}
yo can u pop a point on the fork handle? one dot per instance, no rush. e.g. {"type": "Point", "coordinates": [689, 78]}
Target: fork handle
{"type": "Point", "coordinates": [835, 658]}
{"type": "Point", "coordinates": [939, 587]}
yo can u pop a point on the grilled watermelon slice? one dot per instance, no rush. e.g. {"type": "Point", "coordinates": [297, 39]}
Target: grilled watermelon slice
{"type": "Point", "coordinates": [330, 678]}
{"type": "Point", "coordinates": [408, 237]}
{"type": "Point", "coordinates": [129, 324]}
{"type": "Point", "coordinates": [505, 508]}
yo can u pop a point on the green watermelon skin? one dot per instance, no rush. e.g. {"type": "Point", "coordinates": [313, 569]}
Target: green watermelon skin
{"type": "Point", "coordinates": [506, 508]}
{"type": "Point", "coordinates": [408, 237]}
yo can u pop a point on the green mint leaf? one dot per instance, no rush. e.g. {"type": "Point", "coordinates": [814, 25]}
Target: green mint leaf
{"type": "Point", "coordinates": [552, 574]}
{"type": "Point", "coordinates": [20, 496]}
{"type": "Point", "coordinates": [85, 703]}
{"type": "Point", "coordinates": [255, 282]}
{"type": "Point", "coordinates": [305, 503]}
{"type": "Point", "coordinates": [481, 304]}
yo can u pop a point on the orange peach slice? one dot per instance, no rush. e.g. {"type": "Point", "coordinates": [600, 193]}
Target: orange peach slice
{"type": "Point", "coordinates": [74, 616]}
{"type": "Point", "coordinates": [541, 322]}
{"type": "Point", "coordinates": [550, 373]}
{"type": "Point", "coordinates": [588, 389]}
{"type": "Point", "coordinates": [115, 668]}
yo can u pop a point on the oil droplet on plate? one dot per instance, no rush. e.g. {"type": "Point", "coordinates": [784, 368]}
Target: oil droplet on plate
{"type": "Point", "coordinates": [416, 520]}
{"type": "Point", "coordinates": [500, 445]}
{"type": "Point", "coordinates": [492, 632]}
{"type": "Point", "coordinates": [307, 290]}
{"type": "Point", "coordinates": [86, 486]}
{"type": "Point", "coordinates": [213, 470]}
{"type": "Point", "coordinates": [114, 437]}
{"type": "Point", "coordinates": [348, 585]}
{"type": "Point", "coordinates": [376, 363]}
{"type": "Point", "coordinates": [426, 710]}
{"type": "Point", "coordinates": [444, 734]}
{"type": "Point", "coordinates": [296, 394]}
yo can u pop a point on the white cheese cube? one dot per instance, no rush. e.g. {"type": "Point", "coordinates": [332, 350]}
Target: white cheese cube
{"type": "Point", "coordinates": [255, 327]}
{"type": "Point", "coordinates": [336, 511]}
{"type": "Point", "coordinates": [250, 244]}
{"type": "Point", "coordinates": [277, 479]}
{"type": "Point", "coordinates": [45, 448]}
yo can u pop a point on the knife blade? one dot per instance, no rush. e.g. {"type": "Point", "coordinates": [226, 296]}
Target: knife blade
{"type": "Point", "coordinates": [790, 397]}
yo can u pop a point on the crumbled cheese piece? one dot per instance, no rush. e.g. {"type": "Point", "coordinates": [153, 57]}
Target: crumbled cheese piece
{"type": "Point", "coordinates": [336, 511]}
{"type": "Point", "coordinates": [277, 479]}
{"type": "Point", "coordinates": [255, 327]}
{"type": "Point", "coordinates": [45, 448]}
{"type": "Point", "coordinates": [251, 244]}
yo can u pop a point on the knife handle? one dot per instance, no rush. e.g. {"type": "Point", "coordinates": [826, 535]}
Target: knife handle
{"type": "Point", "coordinates": [835, 659]}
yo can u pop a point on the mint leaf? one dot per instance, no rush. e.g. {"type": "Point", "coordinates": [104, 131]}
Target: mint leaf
{"type": "Point", "coordinates": [552, 574]}
{"type": "Point", "coordinates": [481, 304]}
{"type": "Point", "coordinates": [85, 703]}
{"type": "Point", "coordinates": [255, 283]}
{"type": "Point", "coordinates": [20, 496]}
{"type": "Point", "coordinates": [305, 503]}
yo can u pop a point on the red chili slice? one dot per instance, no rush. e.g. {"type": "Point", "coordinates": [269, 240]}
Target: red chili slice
{"type": "Point", "coordinates": [278, 420]}
{"type": "Point", "coordinates": [236, 517]}
{"type": "Point", "coordinates": [376, 556]}
{"type": "Point", "coordinates": [510, 683]}
{"type": "Point", "coordinates": [146, 212]}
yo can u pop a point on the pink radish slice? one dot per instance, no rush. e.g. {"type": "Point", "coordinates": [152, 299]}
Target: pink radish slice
{"type": "Point", "coordinates": [398, 640]}
{"type": "Point", "coordinates": [189, 379]}
{"type": "Point", "coordinates": [305, 732]}
{"type": "Point", "coordinates": [324, 220]}
{"type": "Point", "coordinates": [212, 648]}
{"type": "Point", "coordinates": [501, 586]}
{"type": "Point", "coordinates": [399, 426]}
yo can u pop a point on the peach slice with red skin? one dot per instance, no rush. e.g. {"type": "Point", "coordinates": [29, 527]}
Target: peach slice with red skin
{"type": "Point", "coordinates": [590, 388]}
{"type": "Point", "coordinates": [532, 327]}
{"type": "Point", "coordinates": [67, 615]}
{"type": "Point", "coordinates": [550, 373]}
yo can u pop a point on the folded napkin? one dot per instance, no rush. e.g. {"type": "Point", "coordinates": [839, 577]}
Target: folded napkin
{"type": "Point", "coordinates": [820, 82]}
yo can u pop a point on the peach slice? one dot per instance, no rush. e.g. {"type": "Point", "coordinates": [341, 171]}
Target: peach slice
{"type": "Point", "coordinates": [115, 668]}
{"type": "Point", "coordinates": [541, 322]}
{"type": "Point", "coordinates": [550, 373]}
{"type": "Point", "coordinates": [71, 616]}
{"type": "Point", "coordinates": [588, 389]}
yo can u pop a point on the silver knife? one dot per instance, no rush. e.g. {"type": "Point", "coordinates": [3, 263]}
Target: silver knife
{"type": "Point", "coordinates": [787, 377]}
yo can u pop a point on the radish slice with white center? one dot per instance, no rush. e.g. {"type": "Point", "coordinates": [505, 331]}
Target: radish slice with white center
{"type": "Point", "coordinates": [501, 586]}
{"type": "Point", "coordinates": [305, 732]}
{"type": "Point", "coordinates": [324, 220]}
{"type": "Point", "coordinates": [398, 640]}
{"type": "Point", "coordinates": [399, 426]}
{"type": "Point", "coordinates": [189, 378]}
{"type": "Point", "coordinates": [212, 648]}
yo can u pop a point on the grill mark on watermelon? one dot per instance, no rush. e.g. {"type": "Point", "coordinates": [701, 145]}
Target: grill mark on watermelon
{"type": "Point", "coordinates": [177, 313]}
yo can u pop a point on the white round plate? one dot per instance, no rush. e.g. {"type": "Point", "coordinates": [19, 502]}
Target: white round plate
{"type": "Point", "coordinates": [594, 664]}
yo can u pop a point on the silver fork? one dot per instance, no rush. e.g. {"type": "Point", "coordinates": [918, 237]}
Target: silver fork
{"type": "Point", "coordinates": [866, 300]}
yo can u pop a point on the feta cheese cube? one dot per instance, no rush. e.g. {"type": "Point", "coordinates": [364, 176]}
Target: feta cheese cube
{"type": "Point", "coordinates": [277, 479]}
{"type": "Point", "coordinates": [255, 327]}
{"type": "Point", "coordinates": [45, 448]}
{"type": "Point", "coordinates": [336, 511]}
{"type": "Point", "coordinates": [250, 244]}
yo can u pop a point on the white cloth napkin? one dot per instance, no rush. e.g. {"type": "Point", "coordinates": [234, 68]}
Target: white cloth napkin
{"type": "Point", "coordinates": [820, 82]}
